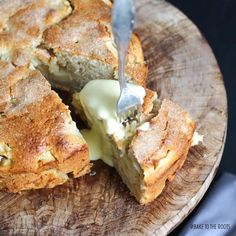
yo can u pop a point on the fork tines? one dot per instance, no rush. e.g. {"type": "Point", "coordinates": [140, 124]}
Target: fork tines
{"type": "Point", "coordinates": [130, 115]}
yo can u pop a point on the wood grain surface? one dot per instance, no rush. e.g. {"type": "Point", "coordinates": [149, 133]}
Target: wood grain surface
{"type": "Point", "coordinates": [182, 68]}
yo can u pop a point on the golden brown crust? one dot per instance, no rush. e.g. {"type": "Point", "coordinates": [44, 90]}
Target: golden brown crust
{"type": "Point", "coordinates": [48, 178]}
{"type": "Point", "coordinates": [87, 32]}
{"type": "Point", "coordinates": [22, 23]}
{"type": "Point", "coordinates": [170, 130]}
{"type": "Point", "coordinates": [162, 149]}
{"type": "Point", "coordinates": [9, 8]}
{"type": "Point", "coordinates": [34, 122]}
{"type": "Point", "coordinates": [148, 101]}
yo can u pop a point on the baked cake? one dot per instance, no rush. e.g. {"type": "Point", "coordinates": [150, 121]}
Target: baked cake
{"type": "Point", "coordinates": [71, 44]}
{"type": "Point", "coordinates": [145, 153]}
{"type": "Point", "coordinates": [81, 48]}
{"type": "Point", "coordinates": [42, 35]}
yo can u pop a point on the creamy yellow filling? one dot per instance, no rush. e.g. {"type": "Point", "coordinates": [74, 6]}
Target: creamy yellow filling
{"type": "Point", "coordinates": [98, 100]}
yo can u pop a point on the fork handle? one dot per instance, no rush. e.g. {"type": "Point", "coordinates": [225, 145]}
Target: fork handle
{"type": "Point", "coordinates": [121, 69]}
{"type": "Point", "coordinates": [122, 25]}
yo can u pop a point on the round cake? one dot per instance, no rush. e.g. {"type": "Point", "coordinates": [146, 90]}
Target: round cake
{"type": "Point", "coordinates": [69, 45]}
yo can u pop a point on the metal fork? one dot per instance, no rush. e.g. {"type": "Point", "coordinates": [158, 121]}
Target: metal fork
{"type": "Point", "coordinates": [129, 103]}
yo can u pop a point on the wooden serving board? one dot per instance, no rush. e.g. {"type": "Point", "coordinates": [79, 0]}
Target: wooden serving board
{"type": "Point", "coordinates": [182, 68]}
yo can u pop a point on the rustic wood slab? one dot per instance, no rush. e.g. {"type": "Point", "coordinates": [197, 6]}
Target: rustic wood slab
{"type": "Point", "coordinates": [182, 68]}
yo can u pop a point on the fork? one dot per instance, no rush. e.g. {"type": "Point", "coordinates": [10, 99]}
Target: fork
{"type": "Point", "coordinates": [129, 103]}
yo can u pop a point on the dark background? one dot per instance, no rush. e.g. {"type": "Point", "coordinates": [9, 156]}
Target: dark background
{"type": "Point", "coordinates": [216, 19]}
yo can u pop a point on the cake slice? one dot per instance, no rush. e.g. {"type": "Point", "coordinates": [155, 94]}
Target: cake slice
{"type": "Point", "coordinates": [39, 143]}
{"type": "Point", "coordinates": [81, 48]}
{"type": "Point", "coordinates": [155, 154]}
{"type": "Point", "coordinates": [145, 153]}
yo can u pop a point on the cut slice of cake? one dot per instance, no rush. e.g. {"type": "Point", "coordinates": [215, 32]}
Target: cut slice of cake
{"type": "Point", "coordinates": [155, 154]}
{"type": "Point", "coordinates": [39, 143]}
{"type": "Point", "coordinates": [147, 153]}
